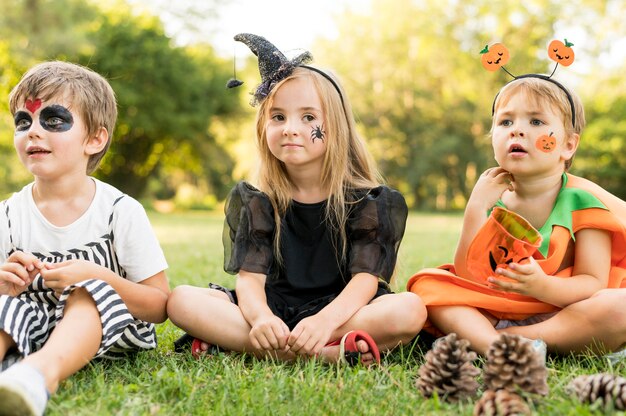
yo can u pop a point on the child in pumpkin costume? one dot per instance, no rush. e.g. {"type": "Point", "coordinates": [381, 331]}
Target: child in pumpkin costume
{"type": "Point", "coordinates": [542, 252]}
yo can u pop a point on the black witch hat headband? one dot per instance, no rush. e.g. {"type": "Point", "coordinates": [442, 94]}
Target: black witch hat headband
{"type": "Point", "coordinates": [497, 55]}
{"type": "Point", "coordinates": [274, 66]}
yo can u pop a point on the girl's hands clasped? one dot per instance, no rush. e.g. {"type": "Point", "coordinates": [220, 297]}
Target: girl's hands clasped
{"type": "Point", "coordinates": [269, 333]}
{"type": "Point", "coordinates": [310, 335]}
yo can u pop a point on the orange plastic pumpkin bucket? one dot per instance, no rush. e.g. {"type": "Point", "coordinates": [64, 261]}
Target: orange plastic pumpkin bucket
{"type": "Point", "coordinates": [505, 238]}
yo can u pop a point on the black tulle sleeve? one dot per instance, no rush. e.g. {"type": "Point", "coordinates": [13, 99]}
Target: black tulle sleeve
{"type": "Point", "coordinates": [248, 233]}
{"type": "Point", "coordinates": [375, 229]}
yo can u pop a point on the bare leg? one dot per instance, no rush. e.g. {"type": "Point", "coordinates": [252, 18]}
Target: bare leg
{"type": "Point", "coordinates": [72, 344]}
{"type": "Point", "coordinates": [208, 314]}
{"type": "Point", "coordinates": [391, 320]}
{"type": "Point", "coordinates": [467, 322]}
{"type": "Point", "coordinates": [6, 343]}
{"type": "Point", "coordinates": [596, 324]}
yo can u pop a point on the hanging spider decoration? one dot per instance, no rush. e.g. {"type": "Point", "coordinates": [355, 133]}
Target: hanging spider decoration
{"type": "Point", "coordinates": [318, 133]}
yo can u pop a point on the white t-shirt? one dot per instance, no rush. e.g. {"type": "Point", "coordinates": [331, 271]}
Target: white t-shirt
{"type": "Point", "coordinates": [135, 244]}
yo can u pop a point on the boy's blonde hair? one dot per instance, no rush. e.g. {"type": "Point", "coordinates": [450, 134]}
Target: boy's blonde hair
{"type": "Point", "coordinates": [87, 91]}
{"type": "Point", "coordinates": [544, 92]}
{"type": "Point", "coordinates": [347, 164]}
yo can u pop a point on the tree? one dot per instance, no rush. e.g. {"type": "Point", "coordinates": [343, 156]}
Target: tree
{"type": "Point", "coordinates": [601, 156]}
{"type": "Point", "coordinates": [168, 96]}
{"type": "Point", "coordinates": [31, 30]}
{"type": "Point", "coordinates": [422, 98]}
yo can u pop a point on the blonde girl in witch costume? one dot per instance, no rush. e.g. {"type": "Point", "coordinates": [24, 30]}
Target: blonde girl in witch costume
{"type": "Point", "coordinates": [542, 252]}
{"type": "Point", "coordinates": [82, 274]}
{"type": "Point", "coordinates": [315, 245]}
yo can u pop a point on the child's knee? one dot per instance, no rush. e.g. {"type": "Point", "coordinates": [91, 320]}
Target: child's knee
{"type": "Point", "coordinates": [408, 313]}
{"type": "Point", "coordinates": [418, 311]}
{"type": "Point", "coordinates": [608, 307]}
{"type": "Point", "coordinates": [178, 301]}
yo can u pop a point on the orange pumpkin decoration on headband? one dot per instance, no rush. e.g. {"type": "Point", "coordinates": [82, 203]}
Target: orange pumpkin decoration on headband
{"type": "Point", "coordinates": [494, 56]}
{"type": "Point", "coordinates": [561, 53]}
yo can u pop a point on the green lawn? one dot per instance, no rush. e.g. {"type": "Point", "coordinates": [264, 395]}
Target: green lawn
{"type": "Point", "coordinates": [160, 382]}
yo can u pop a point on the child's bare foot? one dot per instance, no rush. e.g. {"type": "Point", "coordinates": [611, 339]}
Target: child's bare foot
{"type": "Point", "coordinates": [367, 358]}
{"type": "Point", "coordinates": [331, 354]}
{"type": "Point", "coordinates": [203, 347]}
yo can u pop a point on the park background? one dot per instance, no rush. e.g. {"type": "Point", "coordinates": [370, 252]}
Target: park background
{"type": "Point", "coordinates": [422, 101]}
{"type": "Point", "coordinates": [411, 68]}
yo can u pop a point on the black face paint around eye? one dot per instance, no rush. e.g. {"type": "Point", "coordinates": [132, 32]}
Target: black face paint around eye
{"type": "Point", "coordinates": [56, 118]}
{"type": "Point", "coordinates": [23, 121]}
{"type": "Point", "coordinates": [318, 133]}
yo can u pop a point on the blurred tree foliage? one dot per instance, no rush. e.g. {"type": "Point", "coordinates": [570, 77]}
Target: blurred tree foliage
{"type": "Point", "coordinates": [602, 153]}
{"type": "Point", "coordinates": [411, 68]}
{"type": "Point", "coordinates": [167, 96]}
{"type": "Point", "coordinates": [413, 72]}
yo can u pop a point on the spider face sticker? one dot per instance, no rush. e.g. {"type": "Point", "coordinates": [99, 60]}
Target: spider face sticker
{"type": "Point", "coordinates": [318, 133]}
{"type": "Point", "coordinates": [546, 143]}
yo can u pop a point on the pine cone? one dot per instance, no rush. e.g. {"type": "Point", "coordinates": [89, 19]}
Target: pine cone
{"type": "Point", "coordinates": [512, 363]}
{"type": "Point", "coordinates": [609, 389]}
{"type": "Point", "coordinates": [448, 370]}
{"type": "Point", "coordinates": [500, 403]}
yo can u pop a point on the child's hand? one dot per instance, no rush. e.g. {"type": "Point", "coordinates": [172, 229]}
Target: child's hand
{"type": "Point", "coordinates": [528, 279]}
{"type": "Point", "coordinates": [269, 333]}
{"type": "Point", "coordinates": [18, 272]}
{"type": "Point", "coordinates": [490, 187]}
{"type": "Point", "coordinates": [58, 276]}
{"type": "Point", "coordinates": [310, 336]}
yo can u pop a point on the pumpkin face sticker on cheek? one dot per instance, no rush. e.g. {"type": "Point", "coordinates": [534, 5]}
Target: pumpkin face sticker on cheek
{"type": "Point", "coordinates": [494, 56]}
{"type": "Point", "coordinates": [546, 143]}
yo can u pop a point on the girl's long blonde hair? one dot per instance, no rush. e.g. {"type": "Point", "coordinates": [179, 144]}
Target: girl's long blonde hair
{"type": "Point", "coordinates": [347, 163]}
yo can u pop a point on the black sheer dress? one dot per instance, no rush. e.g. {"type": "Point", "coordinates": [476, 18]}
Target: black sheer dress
{"type": "Point", "coordinates": [311, 275]}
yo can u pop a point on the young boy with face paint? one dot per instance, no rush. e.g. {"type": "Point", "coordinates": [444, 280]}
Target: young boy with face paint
{"type": "Point", "coordinates": [81, 271]}
{"type": "Point", "coordinates": [555, 274]}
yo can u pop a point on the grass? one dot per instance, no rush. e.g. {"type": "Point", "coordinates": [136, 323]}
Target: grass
{"type": "Point", "coordinates": [160, 382]}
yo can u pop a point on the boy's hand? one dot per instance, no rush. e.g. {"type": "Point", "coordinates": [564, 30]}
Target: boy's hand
{"type": "Point", "coordinates": [528, 279]}
{"type": "Point", "coordinates": [58, 276]}
{"type": "Point", "coordinates": [310, 336]}
{"type": "Point", "coordinates": [490, 187]}
{"type": "Point", "coordinates": [18, 272]}
{"type": "Point", "coordinates": [269, 333]}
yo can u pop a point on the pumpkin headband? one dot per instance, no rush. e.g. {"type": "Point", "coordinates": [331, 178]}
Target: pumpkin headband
{"type": "Point", "coordinates": [497, 55]}
{"type": "Point", "coordinates": [274, 66]}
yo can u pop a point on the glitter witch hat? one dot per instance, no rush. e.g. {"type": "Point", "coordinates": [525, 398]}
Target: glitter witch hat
{"type": "Point", "coordinates": [273, 64]}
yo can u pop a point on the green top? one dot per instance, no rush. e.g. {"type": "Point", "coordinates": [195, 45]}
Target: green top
{"type": "Point", "coordinates": [568, 201]}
